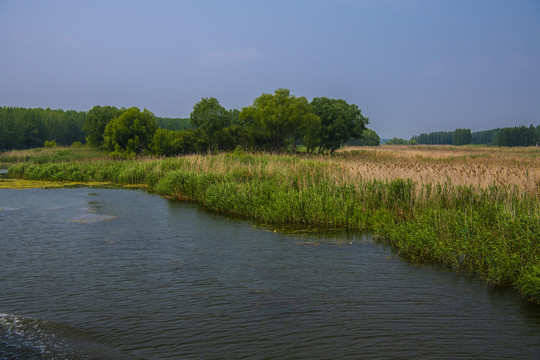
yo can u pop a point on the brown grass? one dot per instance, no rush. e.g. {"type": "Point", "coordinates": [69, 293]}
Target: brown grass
{"type": "Point", "coordinates": [476, 166]}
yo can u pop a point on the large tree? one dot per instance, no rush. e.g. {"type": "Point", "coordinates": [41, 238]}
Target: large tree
{"type": "Point", "coordinates": [96, 120]}
{"type": "Point", "coordinates": [279, 120]}
{"type": "Point", "coordinates": [340, 121]}
{"type": "Point", "coordinates": [174, 142]}
{"type": "Point", "coordinates": [130, 133]}
{"type": "Point", "coordinates": [214, 121]}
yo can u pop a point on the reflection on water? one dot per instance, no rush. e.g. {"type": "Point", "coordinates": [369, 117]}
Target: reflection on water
{"type": "Point", "coordinates": [146, 277]}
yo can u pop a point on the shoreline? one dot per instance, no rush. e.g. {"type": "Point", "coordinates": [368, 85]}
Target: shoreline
{"type": "Point", "coordinates": [492, 233]}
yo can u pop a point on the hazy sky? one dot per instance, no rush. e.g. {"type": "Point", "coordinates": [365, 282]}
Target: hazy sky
{"type": "Point", "coordinates": [412, 66]}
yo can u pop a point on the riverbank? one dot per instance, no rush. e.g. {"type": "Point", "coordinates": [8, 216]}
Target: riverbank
{"type": "Point", "coordinates": [475, 211]}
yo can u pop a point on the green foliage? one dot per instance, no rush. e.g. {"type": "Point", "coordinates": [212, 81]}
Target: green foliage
{"type": "Point", "coordinates": [339, 122]}
{"type": "Point", "coordinates": [435, 138]}
{"type": "Point", "coordinates": [96, 120]}
{"type": "Point", "coordinates": [173, 123]}
{"type": "Point", "coordinates": [29, 128]}
{"type": "Point", "coordinates": [486, 137]}
{"type": "Point", "coordinates": [53, 155]}
{"type": "Point", "coordinates": [50, 144]}
{"type": "Point", "coordinates": [214, 121]}
{"type": "Point", "coordinates": [277, 121]}
{"type": "Point", "coordinates": [461, 137]}
{"type": "Point", "coordinates": [170, 142]}
{"type": "Point", "coordinates": [368, 138]}
{"type": "Point", "coordinates": [510, 136]}
{"type": "Point", "coordinates": [517, 136]}
{"type": "Point", "coordinates": [130, 133]}
{"type": "Point", "coordinates": [397, 141]}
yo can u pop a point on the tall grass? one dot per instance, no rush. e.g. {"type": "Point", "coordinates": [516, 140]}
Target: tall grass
{"type": "Point", "coordinates": [53, 154]}
{"type": "Point", "coordinates": [490, 229]}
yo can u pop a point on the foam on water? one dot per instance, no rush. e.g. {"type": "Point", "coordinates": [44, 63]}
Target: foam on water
{"type": "Point", "coordinates": [29, 338]}
{"type": "Point", "coordinates": [22, 337]}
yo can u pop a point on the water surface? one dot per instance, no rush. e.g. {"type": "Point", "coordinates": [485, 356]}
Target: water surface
{"type": "Point", "coordinates": [108, 273]}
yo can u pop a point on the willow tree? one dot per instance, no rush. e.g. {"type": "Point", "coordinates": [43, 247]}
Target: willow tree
{"type": "Point", "coordinates": [340, 121]}
{"type": "Point", "coordinates": [130, 133]}
{"type": "Point", "coordinates": [214, 121]}
{"type": "Point", "coordinates": [96, 120]}
{"type": "Point", "coordinates": [276, 121]}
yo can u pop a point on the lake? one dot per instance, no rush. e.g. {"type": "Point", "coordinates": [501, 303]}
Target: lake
{"type": "Point", "coordinates": [126, 274]}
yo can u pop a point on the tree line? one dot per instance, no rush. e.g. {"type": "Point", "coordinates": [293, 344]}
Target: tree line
{"type": "Point", "coordinates": [27, 128]}
{"type": "Point", "coordinates": [509, 136]}
{"type": "Point", "coordinates": [274, 123]}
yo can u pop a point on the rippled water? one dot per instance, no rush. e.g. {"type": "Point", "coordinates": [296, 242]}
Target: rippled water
{"type": "Point", "coordinates": [105, 273]}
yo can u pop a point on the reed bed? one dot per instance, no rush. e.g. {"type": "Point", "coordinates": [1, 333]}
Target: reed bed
{"type": "Point", "coordinates": [50, 155]}
{"type": "Point", "coordinates": [476, 211]}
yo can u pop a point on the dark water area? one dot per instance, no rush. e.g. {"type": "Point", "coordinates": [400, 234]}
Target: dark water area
{"type": "Point", "coordinates": [124, 274]}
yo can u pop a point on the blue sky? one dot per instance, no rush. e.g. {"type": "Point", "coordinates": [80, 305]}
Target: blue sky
{"type": "Point", "coordinates": [412, 66]}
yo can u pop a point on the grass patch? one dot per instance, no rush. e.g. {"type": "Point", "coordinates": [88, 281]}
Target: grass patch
{"type": "Point", "coordinates": [19, 184]}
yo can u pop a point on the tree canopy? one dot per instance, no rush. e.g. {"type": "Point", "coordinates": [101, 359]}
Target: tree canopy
{"type": "Point", "coordinates": [509, 136]}
{"type": "Point", "coordinates": [277, 120]}
{"type": "Point", "coordinates": [339, 120]}
{"type": "Point", "coordinates": [130, 133]}
{"type": "Point", "coordinates": [517, 136]}
{"type": "Point", "coordinates": [274, 122]}
{"type": "Point", "coordinates": [368, 138]}
{"type": "Point", "coordinates": [215, 122]}
{"type": "Point", "coordinates": [96, 120]}
{"type": "Point", "coordinates": [462, 137]}
{"type": "Point", "coordinates": [22, 128]}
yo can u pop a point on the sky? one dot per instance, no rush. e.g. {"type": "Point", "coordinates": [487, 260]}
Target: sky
{"type": "Point", "coordinates": [411, 66]}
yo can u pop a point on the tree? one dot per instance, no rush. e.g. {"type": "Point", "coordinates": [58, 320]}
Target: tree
{"type": "Point", "coordinates": [213, 119]}
{"type": "Point", "coordinates": [173, 123]}
{"type": "Point", "coordinates": [368, 138]}
{"type": "Point", "coordinates": [339, 122]}
{"type": "Point", "coordinates": [435, 138]}
{"type": "Point", "coordinates": [130, 133]}
{"type": "Point", "coordinates": [278, 120]}
{"type": "Point", "coordinates": [462, 137]}
{"type": "Point", "coordinates": [517, 136]}
{"type": "Point", "coordinates": [96, 120]}
{"type": "Point", "coordinates": [22, 128]}
{"type": "Point", "coordinates": [173, 142]}
{"type": "Point", "coordinates": [487, 137]}
{"type": "Point", "coordinates": [397, 141]}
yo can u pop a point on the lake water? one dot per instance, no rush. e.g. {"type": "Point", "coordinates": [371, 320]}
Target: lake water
{"type": "Point", "coordinates": [108, 273]}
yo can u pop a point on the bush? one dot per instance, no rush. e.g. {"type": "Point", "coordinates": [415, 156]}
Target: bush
{"type": "Point", "coordinates": [50, 144]}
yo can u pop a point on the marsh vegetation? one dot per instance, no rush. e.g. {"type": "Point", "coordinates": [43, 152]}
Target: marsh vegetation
{"type": "Point", "coordinates": [475, 210]}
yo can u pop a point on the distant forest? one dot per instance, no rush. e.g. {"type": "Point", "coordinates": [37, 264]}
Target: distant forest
{"type": "Point", "coordinates": [22, 128]}
{"type": "Point", "coordinates": [509, 136]}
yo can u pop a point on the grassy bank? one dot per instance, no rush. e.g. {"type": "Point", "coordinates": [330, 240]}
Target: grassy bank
{"type": "Point", "coordinates": [51, 155]}
{"type": "Point", "coordinates": [474, 210]}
